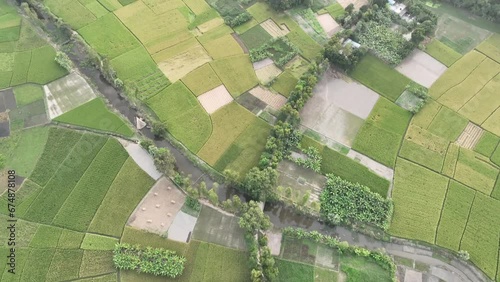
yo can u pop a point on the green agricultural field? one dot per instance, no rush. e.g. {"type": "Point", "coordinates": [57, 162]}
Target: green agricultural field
{"type": "Point", "coordinates": [28, 93]}
{"type": "Point", "coordinates": [73, 13]}
{"type": "Point", "coordinates": [481, 234]}
{"type": "Point", "coordinates": [475, 172]}
{"type": "Point", "coordinates": [479, 109]}
{"type": "Point", "coordinates": [490, 47]}
{"type": "Point", "coordinates": [201, 80]}
{"type": "Point", "coordinates": [456, 74]}
{"type": "Point", "coordinates": [458, 95]}
{"type": "Point", "coordinates": [184, 116]}
{"type": "Point", "coordinates": [82, 203]}
{"type": "Point", "coordinates": [245, 152]}
{"type": "Point", "coordinates": [495, 157]}
{"type": "Point", "coordinates": [228, 123]}
{"type": "Point", "coordinates": [348, 169]}
{"type": "Point", "coordinates": [61, 142]}
{"type": "Point", "coordinates": [136, 236]}
{"type": "Point", "coordinates": [417, 191]}
{"type": "Point", "coordinates": [285, 83]}
{"type": "Point", "coordinates": [110, 5]}
{"type": "Point", "coordinates": [222, 47]}
{"type": "Point", "coordinates": [21, 68]}
{"type": "Point", "coordinates": [197, 6]}
{"type": "Point", "coordinates": [112, 41]}
{"type": "Point", "coordinates": [37, 264]}
{"type": "Point", "coordinates": [381, 135]}
{"type": "Point", "coordinates": [423, 147]}
{"type": "Point", "coordinates": [43, 68]}
{"type": "Point", "coordinates": [442, 52]}
{"type": "Point", "coordinates": [335, 10]}
{"type": "Point", "coordinates": [255, 37]}
{"type": "Point", "coordinates": [381, 78]}
{"type": "Point", "coordinates": [96, 262]}
{"type": "Point", "coordinates": [236, 73]}
{"type": "Point", "coordinates": [70, 239]}
{"type": "Point", "coordinates": [127, 190]}
{"type": "Point", "coordinates": [487, 144]}
{"type": "Point", "coordinates": [46, 237]}
{"type": "Point", "coordinates": [95, 115]}
{"type": "Point", "coordinates": [450, 160]}
{"type": "Point", "coordinates": [447, 124]}
{"type": "Point", "coordinates": [290, 271]}
{"type": "Point", "coordinates": [64, 178]}
{"type": "Point", "coordinates": [454, 216]}
{"type": "Point", "coordinates": [22, 149]}
{"type": "Point", "coordinates": [65, 265]}
{"type": "Point", "coordinates": [98, 242]}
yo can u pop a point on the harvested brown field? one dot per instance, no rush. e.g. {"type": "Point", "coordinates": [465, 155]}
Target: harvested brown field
{"type": "Point", "coordinates": [215, 99]}
{"type": "Point", "coordinates": [275, 101]}
{"type": "Point", "coordinates": [273, 29]}
{"type": "Point", "coordinates": [267, 73]}
{"type": "Point", "coordinates": [329, 25]}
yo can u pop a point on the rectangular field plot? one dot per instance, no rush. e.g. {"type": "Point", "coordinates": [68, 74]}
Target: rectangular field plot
{"type": "Point", "coordinates": [65, 265]}
{"type": "Point", "coordinates": [491, 47]}
{"type": "Point", "coordinates": [293, 271]}
{"type": "Point", "coordinates": [37, 264]}
{"type": "Point", "coordinates": [442, 52]}
{"type": "Point", "coordinates": [454, 216]}
{"type": "Point", "coordinates": [72, 12]}
{"type": "Point", "coordinates": [450, 160]}
{"type": "Point", "coordinates": [423, 147]}
{"type": "Point", "coordinates": [177, 67]}
{"type": "Point", "coordinates": [447, 124]}
{"type": "Point", "coordinates": [492, 123]}
{"type": "Point", "coordinates": [458, 95]}
{"type": "Point", "coordinates": [487, 144]}
{"type": "Point", "coordinates": [475, 172]}
{"type": "Point", "coordinates": [201, 80]}
{"type": "Point", "coordinates": [228, 123]}
{"type": "Point", "coordinates": [482, 233]}
{"type": "Point", "coordinates": [82, 203]}
{"type": "Point", "coordinates": [426, 115]}
{"type": "Point", "coordinates": [236, 73]}
{"type": "Point", "coordinates": [418, 200]}
{"type": "Point", "coordinates": [381, 78]}
{"type": "Point", "coordinates": [222, 47]}
{"type": "Point", "coordinates": [112, 41]}
{"type": "Point", "coordinates": [381, 135]}
{"type": "Point", "coordinates": [458, 34]}
{"type": "Point", "coordinates": [245, 152]}
{"type": "Point", "coordinates": [456, 73]}
{"type": "Point", "coordinates": [484, 103]}
{"type": "Point", "coordinates": [127, 190]}
{"type": "Point", "coordinates": [184, 116]}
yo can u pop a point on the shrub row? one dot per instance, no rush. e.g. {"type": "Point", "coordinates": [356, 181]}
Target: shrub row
{"type": "Point", "coordinates": [158, 262]}
{"type": "Point", "coordinates": [346, 202]}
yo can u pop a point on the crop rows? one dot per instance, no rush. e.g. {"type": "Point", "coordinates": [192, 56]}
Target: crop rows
{"type": "Point", "coordinates": [454, 215]}
{"type": "Point", "coordinates": [81, 205]}
{"type": "Point", "coordinates": [53, 195]}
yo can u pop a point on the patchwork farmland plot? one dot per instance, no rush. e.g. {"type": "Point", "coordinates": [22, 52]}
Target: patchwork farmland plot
{"type": "Point", "coordinates": [442, 52]}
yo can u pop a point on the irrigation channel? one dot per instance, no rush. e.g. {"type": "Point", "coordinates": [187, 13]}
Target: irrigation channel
{"type": "Point", "coordinates": [281, 216]}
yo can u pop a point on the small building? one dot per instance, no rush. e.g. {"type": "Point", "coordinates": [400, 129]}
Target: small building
{"type": "Point", "coordinates": [354, 44]}
{"type": "Point", "coordinates": [398, 8]}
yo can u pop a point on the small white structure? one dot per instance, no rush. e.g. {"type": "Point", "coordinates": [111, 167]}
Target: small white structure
{"type": "Point", "coordinates": [354, 44]}
{"type": "Point", "coordinates": [398, 8]}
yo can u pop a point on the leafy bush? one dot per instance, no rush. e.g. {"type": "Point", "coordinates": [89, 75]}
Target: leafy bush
{"type": "Point", "coordinates": [346, 57]}
{"type": "Point", "coordinates": [280, 50]}
{"type": "Point", "coordinates": [63, 60]}
{"type": "Point", "coordinates": [233, 21]}
{"type": "Point", "coordinates": [313, 160]}
{"type": "Point", "coordinates": [346, 202]}
{"type": "Point", "coordinates": [159, 262]}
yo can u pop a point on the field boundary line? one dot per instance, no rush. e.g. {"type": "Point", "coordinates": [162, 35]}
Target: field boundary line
{"type": "Point", "coordinates": [468, 217]}
{"type": "Point", "coordinates": [479, 51]}
{"type": "Point", "coordinates": [52, 221]}
{"type": "Point", "coordinates": [107, 191]}
{"type": "Point", "coordinates": [442, 208]}
{"type": "Point", "coordinates": [498, 260]}
{"type": "Point", "coordinates": [457, 111]}
{"type": "Point", "coordinates": [460, 82]}
{"type": "Point", "coordinates": [55, 173]}
{"type": "Point", "coordinates": [481, 125]}
{"type": "Point", "coordinates": [456, 162]}
{"type": "Point", "coordinates": [92, 276]}
{"type": "Point", "coordinates": [434, 117]}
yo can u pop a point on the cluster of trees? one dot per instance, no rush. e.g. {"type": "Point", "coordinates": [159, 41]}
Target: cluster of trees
{"type": "Point", "coordinates": [231, 11]}
{"type": "Point", "coordinates": [420, 92]}
{"type": "Point", "coordinates": [163, 158]}
{"type": "Point", "coordinates": [254, 222]}
{"type": "Point", "coordinates": [158, 262]}
{"type": "Point", "coordinates": [345, 57]}
{"type": "Point", "coordinates": [380, 258]}
{"type": "Point", "coordinates": [489, 9]}
{"type": "Point", "coordinates": [281, 5]}
{"type": "Point", "coordinates": [346, 202]}
{"type": "Point", "coordinates": [280, 49]}
{"type": "Point", "coordinates": [312, 161]}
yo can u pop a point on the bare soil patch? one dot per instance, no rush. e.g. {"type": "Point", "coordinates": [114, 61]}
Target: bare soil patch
{"type": "Point", "coordinates": [215, 99]}
{"type": "Point", "coordinates": [262, 64]}
{"type": "Point", "coordinates": [470, 136]}
{"type": "Point", "coordinates": [329, 25]}
{"type": "Point", "coordinates": [421, 68]}
{"type": "Point", "coordinates": [157, 210]}
{"type": "Point", "coordinates": [267, 73]}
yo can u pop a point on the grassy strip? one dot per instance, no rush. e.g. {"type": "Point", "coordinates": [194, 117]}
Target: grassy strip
{"type": "Point", "coordinates": [98, 242]}
{"type": "Point", "coordinates": [475, 172]}
{"type": "Point", "coordinates": [450, 160]}
{"type": "Point", "coordinates": [65, 265]}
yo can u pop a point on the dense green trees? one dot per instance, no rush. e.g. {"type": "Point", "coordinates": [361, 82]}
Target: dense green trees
{"type": "Point", "coordinates": [158, 262]}
{"type": "Point", "coordinates": [259, 184]}
{"type": "Point", "coordinates": [489, 9]}
{"type": "Point", "coordinates": [344, 57]}
{"type": "Point", "coordinates": [281, 5]}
